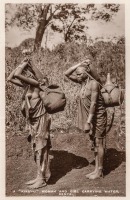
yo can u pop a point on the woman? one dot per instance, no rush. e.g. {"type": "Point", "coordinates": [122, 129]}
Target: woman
{"type": "Point", "coordinates": [39, 120]}
{"type": "Point", "coordinates": [91, 111]}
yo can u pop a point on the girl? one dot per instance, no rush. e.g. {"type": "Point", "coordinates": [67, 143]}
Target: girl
{"type": "Point", "coordinates": [91, 110]}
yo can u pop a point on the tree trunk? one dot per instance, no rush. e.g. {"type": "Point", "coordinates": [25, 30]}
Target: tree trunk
{"type": "Point", "coordinates": [42, 22]}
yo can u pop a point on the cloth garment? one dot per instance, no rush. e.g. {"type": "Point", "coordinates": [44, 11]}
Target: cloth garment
{"type": "Point", "coordinates": [39, 124]}
{"type": "Point", "coordinates": [99, 120]}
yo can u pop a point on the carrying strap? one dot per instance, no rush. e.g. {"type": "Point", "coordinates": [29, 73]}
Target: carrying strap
{"type": "Point", "coordinates": [101, 84]}
{"type": "Point", "coordinates": [94, 79]}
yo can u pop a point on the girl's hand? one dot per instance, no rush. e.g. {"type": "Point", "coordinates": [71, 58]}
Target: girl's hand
{"type": "Point", "coordinates": [25, 60]}
{"type": "Point", "coordinates": [86, 62]}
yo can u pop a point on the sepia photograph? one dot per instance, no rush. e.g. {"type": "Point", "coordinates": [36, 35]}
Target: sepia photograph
{"type": "Point", "coordinates": [65, 99]}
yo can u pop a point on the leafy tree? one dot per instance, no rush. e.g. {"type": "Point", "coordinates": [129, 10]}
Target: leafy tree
{"type": "Point", "coordinates": [72, 19]}
{"type": "Point", "coordinates": [68, 19]}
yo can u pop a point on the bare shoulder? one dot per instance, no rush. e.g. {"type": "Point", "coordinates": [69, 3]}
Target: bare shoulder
{"type": "Point", "coordinates": [94, 85]}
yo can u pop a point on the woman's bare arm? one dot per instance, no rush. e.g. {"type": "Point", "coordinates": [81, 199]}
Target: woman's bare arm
{"type": "Point", "coordinates": [19, 76]}
{"type": "Point", "coordinates": [14, 80]}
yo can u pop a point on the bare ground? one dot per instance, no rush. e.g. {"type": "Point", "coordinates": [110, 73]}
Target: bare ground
{"type": "Point", "coordinates": [71, 160]}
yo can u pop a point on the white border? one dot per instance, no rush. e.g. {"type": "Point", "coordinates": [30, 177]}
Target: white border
{"type": "Point", "coordinates": [2, 92]}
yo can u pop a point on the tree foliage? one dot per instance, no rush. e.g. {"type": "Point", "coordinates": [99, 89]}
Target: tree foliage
{"type": "Point", "coordinates": [68, 19]}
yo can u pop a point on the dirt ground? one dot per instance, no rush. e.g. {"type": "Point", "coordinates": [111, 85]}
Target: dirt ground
{"type": "Point", "coordinates": [71, 160]}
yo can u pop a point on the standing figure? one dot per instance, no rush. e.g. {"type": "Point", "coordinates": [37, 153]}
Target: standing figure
{"type": "Point", "coordinates": [38, 119]}
{"type": "Point", "coordinates": [92, 115]}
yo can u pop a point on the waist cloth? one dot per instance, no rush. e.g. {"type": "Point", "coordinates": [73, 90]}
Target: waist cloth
{"type": "Point", "coordinates": [39, 125]}
{"type": "Point", "coordinates": [99, 121]}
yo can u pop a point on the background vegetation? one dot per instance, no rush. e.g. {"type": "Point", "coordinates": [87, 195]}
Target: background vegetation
{"type": "Point", "coordinates": [106, 57]}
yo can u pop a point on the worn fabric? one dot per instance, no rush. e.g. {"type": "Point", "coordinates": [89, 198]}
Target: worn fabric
{"type": "Point", "coordinates": [39, 124]}
{"type": "Point", "coordinates": [99, 120]}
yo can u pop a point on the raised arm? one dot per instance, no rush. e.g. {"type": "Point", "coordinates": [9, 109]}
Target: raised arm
{"type": "Point", "coordinates": [69, 72]}
{"type": "Point", "coordinates": [19, 76]}
{"type": "Point", "coordinates": [14, 80]}
{"type": "Point", "coordinates": [94, 97]}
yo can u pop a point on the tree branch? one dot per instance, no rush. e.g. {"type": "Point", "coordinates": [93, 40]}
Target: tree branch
{"type": "Point", "coordinates": [52, 14]}
{"type": "Point", "coordinates": [63, 26]}
{"type": "Point", "coordinates": [71, 24]}
{"type": "Point", "coordinates": [69, 27]}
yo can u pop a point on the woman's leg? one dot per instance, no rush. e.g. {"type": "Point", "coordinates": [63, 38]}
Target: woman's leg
{"type": "Point", "coordinates": [33, 180]}
{"type": "Point", "coordinates": [45, 166]}
{"type": "Point", "coordinates": [39, 181]}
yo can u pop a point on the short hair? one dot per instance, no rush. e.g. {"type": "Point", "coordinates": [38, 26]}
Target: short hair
{"type": "Point", "coordinates": [82, 68]}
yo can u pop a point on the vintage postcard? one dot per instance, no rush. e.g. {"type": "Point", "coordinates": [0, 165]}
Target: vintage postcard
{"type": "Point", "coordinates": [64, 112]}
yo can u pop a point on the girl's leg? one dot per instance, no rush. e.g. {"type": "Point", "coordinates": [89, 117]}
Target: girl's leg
{"type": "Point", "coordinates": [96, 166]}
{"type": "Point", "coordinates": [100, 156]}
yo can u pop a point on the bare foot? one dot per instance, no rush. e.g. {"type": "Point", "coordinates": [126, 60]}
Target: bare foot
{"type": "Point", "coordinates": [96, 175]}
{"type": "Point", "coordinates": [38, 184]}
{"type": "Point", "coordinates": [47, 176]}
{"type": "Point", "coordinates": [88, 175]}
{"type": "Point", "coordinates": [31, 182]}
{"type": "Point", "coordinates": [47, 172]}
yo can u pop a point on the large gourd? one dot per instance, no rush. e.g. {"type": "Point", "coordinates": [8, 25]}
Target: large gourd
{"type": "Point", "coordinates": [112, 94]}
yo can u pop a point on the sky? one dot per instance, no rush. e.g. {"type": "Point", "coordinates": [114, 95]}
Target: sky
{"type": "Point", "coordinates": [96, 29]}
